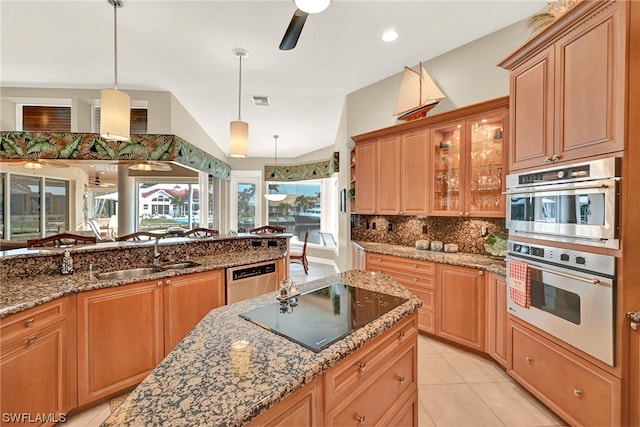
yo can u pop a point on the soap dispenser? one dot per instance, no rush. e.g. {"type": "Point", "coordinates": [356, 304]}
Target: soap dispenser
{"type": "Point", "coordinates": [67, 263]}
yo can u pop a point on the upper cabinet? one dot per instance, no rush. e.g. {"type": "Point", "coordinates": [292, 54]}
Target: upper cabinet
{"type": "Point", "coordinates": [567, 89]}
{"type": "Point", "coordinates": [450, 164]}
{"type": "Point", "coordinates": [467, 166]}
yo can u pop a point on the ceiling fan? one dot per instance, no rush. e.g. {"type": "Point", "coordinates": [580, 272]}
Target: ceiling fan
{"type": "Point", "coordinates": [304, 9]}
{"type": "Point", "coordinates": [37, 163]}
{"type": "Point", "coordinates": [98, 183]}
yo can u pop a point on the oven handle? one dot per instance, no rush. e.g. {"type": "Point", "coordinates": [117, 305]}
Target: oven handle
{"type": "Point", "coordinates": [586, 187]}
{"type": "Point", "coordinates": [567, 275]}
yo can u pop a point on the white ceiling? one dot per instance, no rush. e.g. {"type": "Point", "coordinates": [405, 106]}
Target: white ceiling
{"type": "Point", "coordinates": [185, 47]}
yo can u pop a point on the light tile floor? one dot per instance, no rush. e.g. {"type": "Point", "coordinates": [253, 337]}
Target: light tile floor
{"type": "Point", "coordinates": [455, 388]}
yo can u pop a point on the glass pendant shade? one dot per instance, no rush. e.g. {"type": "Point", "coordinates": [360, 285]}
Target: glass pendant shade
{"type": "Point", "coordinates": [239, 139]}
{"type": "Point", "coordinates": [312, 6]}
{"type": "Point", "coordinates": [115, 115]}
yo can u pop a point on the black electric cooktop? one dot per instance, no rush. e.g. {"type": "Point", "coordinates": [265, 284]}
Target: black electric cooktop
{"type": "Point", "coordinates": [321, 317]}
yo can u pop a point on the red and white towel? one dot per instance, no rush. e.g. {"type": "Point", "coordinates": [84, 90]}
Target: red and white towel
{"type": "Point", "coordinates": [520, 283]}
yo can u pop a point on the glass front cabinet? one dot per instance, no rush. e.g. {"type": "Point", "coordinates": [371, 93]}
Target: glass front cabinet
{"type": "Point", "coordinates": [467, 166]}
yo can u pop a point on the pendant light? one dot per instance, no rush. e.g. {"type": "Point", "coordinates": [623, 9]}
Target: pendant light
{"type": "Point", "coordinates": [312, 6]}
{"type": "Point", "coordinates": [115, 106]}
{"type": "Point", "coordinates": [239, 130]}
{"type": "Point", "coordinates": [275, 197]}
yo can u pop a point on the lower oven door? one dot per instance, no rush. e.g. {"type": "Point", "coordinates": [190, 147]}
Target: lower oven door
{"type": "Point", "coordinates": [573, 306]}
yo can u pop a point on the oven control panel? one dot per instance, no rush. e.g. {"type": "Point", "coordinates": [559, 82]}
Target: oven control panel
{"type": "Point", "coordinates": [565, 257]}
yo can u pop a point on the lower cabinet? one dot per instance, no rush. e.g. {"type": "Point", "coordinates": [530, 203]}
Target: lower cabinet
{"type": "Point", "coordinates": [376, 385]}
{"type": "Point", "coordinates": [120, 338]}
{"type": "Point", "coordinates": [187, 299]}
{"type": "Point", "coordinates": [125, 331]}
{"type": "Point", "coordinates": [460, 306]}
{"type": "Point", "coordinates": [496, 315]}
{"type": "Point", "coordinates": [415, 275]}
{"type": "Point", "coordinates": [38, 351]}
{"type": "Point", "coordinates": [578, 391]}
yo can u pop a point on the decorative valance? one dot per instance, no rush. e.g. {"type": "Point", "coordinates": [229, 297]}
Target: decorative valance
{"type": "Point", "coordinates": [71, 146]}
{"type": "Point", "coordinates": [316, 170]}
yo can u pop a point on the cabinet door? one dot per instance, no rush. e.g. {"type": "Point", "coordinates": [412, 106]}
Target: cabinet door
{"type": "Point", "coordinates": [496, 303]}
{"type": "Point", "coordinates": [634, 375]}
{"type": "Point", "coordinates": [303, 408]}
{"type": "Point", "coordinates": [187, 299]}
{"type": "Point", "coordinates": [388, 176]}
{"type": "Point", "coordinates": [484, 172]}
{"type": "Point", "coordinates": [590, 81]}
{"type": "Point", "coordinates": [365, 197]}
{"type": "Point", "coordinates": [415, 170]}
{"type": "Point", "coordinates": [531, 106]}
{"type": "Point", "coordinates": [120, 338]}
{"type": "Point", "coordinates": [460, 310]}
{"type": "Point", "coordinates": [447, 154]}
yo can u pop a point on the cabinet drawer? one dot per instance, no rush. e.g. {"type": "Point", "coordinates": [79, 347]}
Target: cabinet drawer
{"type": "Point", "coordinates": [25, 323]}
{"type": "Point", "coordinates": [371, 404]}
{"type": "Point", "coordinates": [408, 280]}
{"type": "Point", "coordinates": [410, 266]}
{"type": "Point", "coordinates": [427, 296]}
{"type": "Point", "coordinates": [578, 391]}
{"type": "Point", "coordinates": [361, 368]}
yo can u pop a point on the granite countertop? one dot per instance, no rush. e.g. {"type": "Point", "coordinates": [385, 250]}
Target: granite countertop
{"type": "Point", "coordinates": [18, 294]}
{"type": "Point", "coordinates": [484, 262]}
{"type": "Point", "coordinates": [203, 381]}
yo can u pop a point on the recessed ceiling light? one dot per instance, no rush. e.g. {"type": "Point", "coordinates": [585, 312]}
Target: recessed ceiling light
{"type": "Point", "coordinates": [390, 35]}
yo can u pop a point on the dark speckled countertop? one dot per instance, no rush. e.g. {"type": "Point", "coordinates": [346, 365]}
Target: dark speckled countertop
{"type": "Point", "coordinates": [17, 294]}
{"type": "Point", "coordinates": [484, 262]}
{"type": "Point", "coordinates": [206, 381]}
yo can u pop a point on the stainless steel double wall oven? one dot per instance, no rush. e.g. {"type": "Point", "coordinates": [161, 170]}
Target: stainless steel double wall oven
{"type": "Point", "coordinates": [572, 293]}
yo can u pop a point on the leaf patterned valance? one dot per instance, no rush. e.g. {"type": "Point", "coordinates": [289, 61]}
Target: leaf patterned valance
{"type": "Point", "coordinates": [90, 146]}
{"type": "Point", "coordinates": [316, 170]}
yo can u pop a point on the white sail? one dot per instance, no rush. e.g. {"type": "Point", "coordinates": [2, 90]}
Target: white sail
{"type": "Point", "coordinates": [416, 90]}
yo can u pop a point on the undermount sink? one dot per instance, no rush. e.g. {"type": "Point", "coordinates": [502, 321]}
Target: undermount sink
{"type": "Point", "coordinates": [128, 273]}
{"type": "Point", "coordinates": [180, 265]}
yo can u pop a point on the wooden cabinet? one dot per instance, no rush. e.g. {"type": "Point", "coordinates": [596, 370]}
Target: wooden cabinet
{"type": "Point", "coordinates": [388, 176]}
{"type": "Point", "coordinates": [496, 316]}
{"type": "Point", "coordinates": [460, 313]}
{"type": "Point", "coordinates": [365, 178]}
{"type": "Point", "coordinates": [371, 386]}
{"type": "Point", "coordinates": [303, 408]}
{"type": "Point", "coordinates": [414, 152]}
{"type": "Point", "coordinates": [415, 275]}
{"type": "Point", "coordinates": [38, 350]}
{"type": "Point", "coordinates": [120, 337]}
{"type": "Point", "coordinates": [467, 165]}
{"type": "Point", "coordinates": [634, 374]}
{"type": "Point", "coordinates": [567, 89]}
{"type": "Point", "coordinates": [187, 299]}
{"type": "Point", "coordinates": [578, 391]}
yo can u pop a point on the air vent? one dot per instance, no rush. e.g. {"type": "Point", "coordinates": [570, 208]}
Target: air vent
{"type": "Point", "coordinates": [261, 101]}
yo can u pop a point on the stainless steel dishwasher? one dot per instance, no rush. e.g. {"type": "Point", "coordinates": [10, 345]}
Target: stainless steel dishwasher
{"type": "Point", "coordinates": [248, 281]}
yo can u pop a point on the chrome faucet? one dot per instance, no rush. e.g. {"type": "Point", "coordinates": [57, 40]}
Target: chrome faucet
{"type": "Point", "coordinates": [156, 253]}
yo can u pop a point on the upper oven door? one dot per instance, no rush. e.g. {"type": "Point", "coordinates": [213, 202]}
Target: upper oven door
{"type": "Point", "coordinates": [583, 211]}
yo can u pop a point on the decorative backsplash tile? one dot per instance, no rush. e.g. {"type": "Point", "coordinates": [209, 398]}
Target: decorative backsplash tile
{"type": "Point", "coordinates": [404, 231]}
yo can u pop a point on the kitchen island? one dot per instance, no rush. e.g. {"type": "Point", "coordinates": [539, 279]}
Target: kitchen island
{"type": "Point", "coordinates": [228, 370]}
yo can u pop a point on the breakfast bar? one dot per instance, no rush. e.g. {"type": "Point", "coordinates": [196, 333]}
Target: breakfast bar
{"type": "Point", "coordinates": [229, 370]}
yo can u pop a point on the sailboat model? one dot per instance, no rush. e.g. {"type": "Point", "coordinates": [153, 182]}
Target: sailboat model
{"type": "Point", "coordinates": [418, 95]}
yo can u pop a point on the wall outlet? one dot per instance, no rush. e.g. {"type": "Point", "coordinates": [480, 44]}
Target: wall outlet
{"type": "Point", "coordinates": [373, 225]}
{"type": "Point", "coordinates": [484, 231]}
{"type": "Point", "coordinates": [366, 225]}
{"type": "Point", "coordinates": [425, 229]}
{"type": "Point", "coordinates": [389, 227]}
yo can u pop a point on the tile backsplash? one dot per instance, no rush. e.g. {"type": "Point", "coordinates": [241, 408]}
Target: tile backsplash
{"type": "Point", "coordinates": [404, 230]}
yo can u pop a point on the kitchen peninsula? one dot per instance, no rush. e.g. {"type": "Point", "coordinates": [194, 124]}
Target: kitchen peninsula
{"type": "Point", "coordinates": [229, 371]}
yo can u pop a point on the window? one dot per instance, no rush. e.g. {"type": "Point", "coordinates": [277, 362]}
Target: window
{"type": "Point", "coordinates": [38, 207]}
{"type": "Point", "coordinates": [244, 190]}
{"type": "Point", "coordinates": [310, 205]}
{"type": "Point", "coordinates": [38, 118]}
{"type": "Point", "coordinates": [138, 120]}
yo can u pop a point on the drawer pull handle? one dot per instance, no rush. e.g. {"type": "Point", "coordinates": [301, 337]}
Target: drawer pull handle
{"type": "Point", "coordinates": [361, 419]}
{"type": "Point", "coordinates": [400, 379]}
{"type": "Point", "coordinates": [401, 335]}
{"type": "Point", "coordinates": [634, 325]}
{"type": "Point", "coordinates": [160, 283]}
{"type": "Point", "coordinates": [362, 366]}
{"type": "Point", "coordinates": [31, 339]}
{"type": "Point", "coordinates": [528, 359]}
{"type": "Point", "coordinates": [415, 279]}
{"type": "Point", "coordinates": [168, 281]}
{"type": "Point", "coordinates": [577, 393]}
{"type": "Point", "coordinates": [29, 323]}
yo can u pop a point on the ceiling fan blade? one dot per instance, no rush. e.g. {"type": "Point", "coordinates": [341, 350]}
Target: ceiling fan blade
{"type": "Point", "coordinates": [294, 29]}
